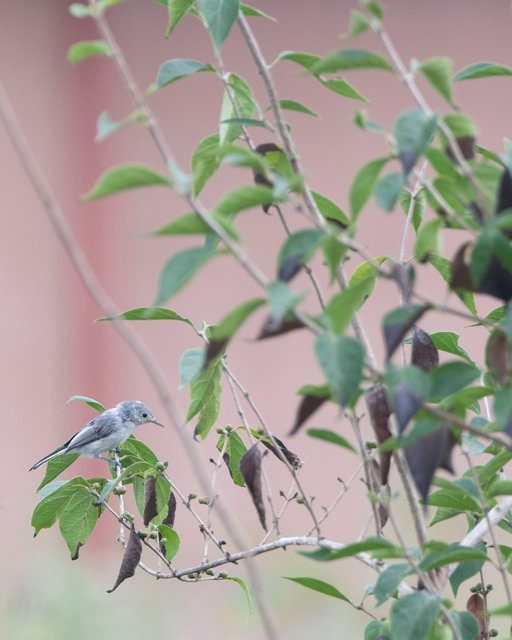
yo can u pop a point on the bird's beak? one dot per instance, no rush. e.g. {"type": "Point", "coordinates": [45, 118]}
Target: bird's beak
{"type": "Point", "coordinates": [158, 423]}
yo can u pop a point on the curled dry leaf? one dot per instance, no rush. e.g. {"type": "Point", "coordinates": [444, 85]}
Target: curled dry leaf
{"type": "Point", "coordinates": [171, 511]}
{"type": "Point", "coordinates": [497, 356]}
{"type": "Point", "coordinates": [250, 468]}
{"type": "Point", "coordinates": [131, 559]}
{"type": "Point", "coordinates": [405, 405]}
{"type": "Point", "coordinates": [424, 352]}
{"type": "Point", "coordinates": [307, 407]}
{"type": "Point", "coordinates": [214, 349]}
{"type": "Point", "coordinates": [396, 330]}
{"type": "Point", "coordinates": [259, 178]}
{"type": "Point", "coordinates": [467, 147]}
{"type": "Point", "coordinates": [476, 606]}
{"type": "Point", "coordinates": [496, 281]}
{"type": "Point", "coordinates": [379, 412]}
{"type": "Point", "coordinates": [272, 327]}
{"type": "Point", "coordinates": [150, 510]}
{"type": "Point", "coordinates": [504, 199]}
{"type": "Point", "coordinates": [291, 457]}
{"type": "Point", "coordinates": [427, 454]}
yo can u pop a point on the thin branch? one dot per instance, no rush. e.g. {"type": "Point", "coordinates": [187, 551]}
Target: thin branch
{"type": "Point", "coordinates": [284, 134]}
{"type": "Point", "coordinates": [485, 509]}
{"type": "Point", "coordinates": [409, 81]}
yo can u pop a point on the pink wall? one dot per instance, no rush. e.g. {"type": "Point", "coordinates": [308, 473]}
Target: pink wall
{"type": "Point", "coordinates": [51, 347]}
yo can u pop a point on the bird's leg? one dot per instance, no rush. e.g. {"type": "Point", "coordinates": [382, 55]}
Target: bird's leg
{"type": "Point", "coordinates": [114, 462]}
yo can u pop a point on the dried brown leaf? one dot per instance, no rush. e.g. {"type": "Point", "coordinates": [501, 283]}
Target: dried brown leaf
{"type": "Point", "coordinates": [131, 558]}
{"type": "Point", "coordinates": [424, 352]}
{"type": "Point", "coordinates": [379, 412]}
{"type": "Point", "coordinates": [250, 468]}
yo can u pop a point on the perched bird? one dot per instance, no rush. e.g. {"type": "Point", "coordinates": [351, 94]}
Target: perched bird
{"type": "Point", "coordinates": [105, 432]}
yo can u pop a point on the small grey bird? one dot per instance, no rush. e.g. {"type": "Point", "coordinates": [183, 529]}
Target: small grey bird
{"type": "Point", "coordinates": [105, 432]}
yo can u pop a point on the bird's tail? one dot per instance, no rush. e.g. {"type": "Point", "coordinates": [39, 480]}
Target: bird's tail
{"type": "Point", "coordinates": [50, 456]}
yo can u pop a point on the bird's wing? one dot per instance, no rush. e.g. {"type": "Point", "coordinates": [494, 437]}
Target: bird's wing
{"type": "Point", "coordinates": [99, 427]}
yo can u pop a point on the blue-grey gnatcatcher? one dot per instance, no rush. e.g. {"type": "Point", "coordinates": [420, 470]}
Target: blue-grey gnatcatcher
{"type": "Point", "coordinates": [105, 432]}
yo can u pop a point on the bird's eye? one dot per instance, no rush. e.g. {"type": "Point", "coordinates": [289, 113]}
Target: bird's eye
{"type": "Point", "coordinates": [144, 415]}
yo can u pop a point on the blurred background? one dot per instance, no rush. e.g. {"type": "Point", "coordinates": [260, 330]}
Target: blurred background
{"type": "Point", "coordinates": [52, 348]}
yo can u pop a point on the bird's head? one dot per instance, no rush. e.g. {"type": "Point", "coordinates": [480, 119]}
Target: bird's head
{"type": "Point", "coordinates": [137, 412]}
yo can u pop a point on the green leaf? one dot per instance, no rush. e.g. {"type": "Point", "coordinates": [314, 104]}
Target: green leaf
{"type": "Point", "coordinates": [320, 586]}
{"type": "Point", "coordinates": [202, 387]}
{"type": "Point", "coordinates": [79, 10]}
{"type": "Point", "coordinates": [94, 404]}
{"type": "Point", "coordinates": [450, 500]}
{"type": "Point", "coordinates": [282, 300]}
{"type": "Point", "coordinates": [138, 449]}
{"type": "Point", "coordinates": [179, 270]}
{"type": "Point", "coordinates": [342, 88]}
{"type": "Point", "coordinates": [252, 12]}
{"type": "Point", "coordinates": [241, 93]}
{"type": "Point", "coordinates": [232, 321]}
{"type": "Point", "coordinates": [363, 184]}
{"type": "Point", "coordinates": [375, 9]}
{"type": "Point", "coordinates": [387, 190]}
{"type": "Point", "coordinates": [454, 553]}
{"type": "Point", "coordinates": [341, 359]}
{"type": "Point", "coordinates": [205, 162]}
{"type": "Point", "coordinates": [438, 71]}
{"type": "Point", "coordinates": [191, 364]}
{"type": "Point", "coordinates": [291, 105]}
{"type": "Point", "coordinates": [358, 23]}
{"type": "Point", "coordinates": [388, 581]}
{"type": "Point", "coordinates": [87, 48]}
{"type": "Point", "coordinates": [482, 70]}
{"type": "Point", "coordinates": [149, 313]}
{"type": "Point", "coordinates": [491, 242]}
{"type": "Point", "coordinates": [413, 132]}
{"type": "Point", "coordinates": [334, 251]}
{"type": "Point", "coordinates": [72, 505]}
{"type": "Point", "coordinates": [246, 122]}
{"type": "Point", "coordinates": [246, 592]}
{"type": "Point", "coordinates": [449, 377]}
{"type": "Point", "coordinates": [449, 341]}
{"type": "Point", "coordinates": [428, 241]}
{"type": "Point", "coordinates": [443, 266]}
{"type": "Point", "coordinates": [466, 570]}
{"type": "Point", "coordinates": [413, 615]}
{"type": "Point", "coordinates": [466, 623]}
{"type": "Point", "coordinates": [342, 307]}
{"type": "Point", "coordinates": [125, 177]}
{"type": "Point", "coordinates": [235, 450]}
{"type": "Point", "coordinates": [172, 541]}
{"type": "Point", "coordinates": [329, 209]}
{"type": "Point", "coordinates": [500, 488]}
{"type": "Point", "coordinates": [220, 16]}
{"type": "Point", "coordinates": [330, 436]}
{"type": "Point", "coordinates": [305, 60]}
{"type": "Point", "coordinates": [77, 519]}
{"type": "Point", "coordinates": [173, 70]}
{"type": "Point", "coordinates": [298, 248]}
{"type": "Point", "coordinates": [384, 548]}
{"type": "Point", "coordinates": [488, 472]}
{"type": "Point", "coordinates": [404, 200]}
{"type": "Point", "coordinates": [105, 126]}
{"type": "Point", "coordinates": [177, 9]}
{"type": "Point", "coordinates": [192, 224]}
{"type": "Point", "coordinates": [349, 59]}
{"type": "Point", "coordinates": [246, 197]}
{"type": "Point", "coordinates": [461, 125]}
{"type": "Point", "coordinates": [209, 413]}
{"type": "Point", "coordinates": [56, 466]}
